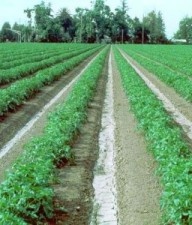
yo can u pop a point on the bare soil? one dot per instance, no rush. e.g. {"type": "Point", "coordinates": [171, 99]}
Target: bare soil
{"type": "Point", "coordinates": [138, 190]}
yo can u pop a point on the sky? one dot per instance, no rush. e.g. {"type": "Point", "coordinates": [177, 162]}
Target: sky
{"type": "Point", "coordinates": [172, 11]}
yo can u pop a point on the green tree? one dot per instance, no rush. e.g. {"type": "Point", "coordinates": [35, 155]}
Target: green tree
{"type": "Point", "coordinates": [122, 22]}
{"type": "Point", "coordinates": [28, 31]}
{"type": "Point", "coordinates": [139, 33]}
{"type": "Point", "coordinates": [89, 26]}
{"type": "Point", "coordinates": [55, 32]}
{"type": "Point", "coordinates": [161, 37]}
{"type": "Point", "coordinates": [150, 22]}
{"type": "Point", "coordinates": [29, 15]}
{"type": "Point", "coordinates": [43, 20]}
{"type": "Point", "coordinates": [79, 19]}
{"type": "Point", "coordinates": [65, 21]}
{"type": "Point", "coordinates": [155, 24]}
{"type": "Point", "coordinates": [101, 19]}
{"type": "Point", "coordinates": [6, 33]}
{"type": "Point", "coordinates": [185, 29]}
{"type": "Point", "coordinates": [18, 32]}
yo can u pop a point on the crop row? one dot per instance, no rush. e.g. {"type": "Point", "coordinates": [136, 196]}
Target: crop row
{"type": "Point", "coordinates": [26, 194]}
{"type": "Point", "coordinates": [14, 51]}
{"type": "Point", "coordinates": [177, 57]}
{"type": "Point", "coordinates": [35, 57]}
{"type": "Point", "coordinates": [181, 84]}
{"type": "Point", "coordinates": [19, 55]}
{"type": "Point", "coordinates": [6, 76]}
{"type": "Point", "coordinates": [22, 59]}
{"type": "Point", "coordinates": [15, 94]}
{"type": "Point", "coordinates": [167, 144]}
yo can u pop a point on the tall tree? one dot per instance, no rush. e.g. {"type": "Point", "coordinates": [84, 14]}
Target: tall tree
{"type": "Point", "coordinates": [18, 32]}
{"type": "Point", "coordinates": [139, 33]}
{"type": "Point", "coordinates": [65, 21]}
{"type": "Point", "coordinates": [43, 19]}
{"type": "Point", "coordinates": [150, 21]}
{"type": "Point", "coordinates": [6, 33]}
{"type": "Point", "coordinates": [54, 32]}
{"type": "Point", "coordinates": [155, 24]}
{"type": "Point", "coordinates": [101, 17]}
{"type": "Point", "coordinates": [185, 29]}
{"type": "Point", "coordinates": [29, 15]}
{"type": "Point", "coordinates": [122, 22]}
{"type": "Point", "coordinates": [161, 37]}
{"type": "Point", "coordinates": [79, 20]}
{"type": "Point", "coordinates": [29, 30]}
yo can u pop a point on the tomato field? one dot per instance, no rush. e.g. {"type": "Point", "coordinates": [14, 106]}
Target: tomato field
{"type": "Point", "coordinates": [27, 190]}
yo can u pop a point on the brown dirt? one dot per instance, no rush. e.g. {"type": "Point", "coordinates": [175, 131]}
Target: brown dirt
{"type": "Point", "coordinates": [138, 190]}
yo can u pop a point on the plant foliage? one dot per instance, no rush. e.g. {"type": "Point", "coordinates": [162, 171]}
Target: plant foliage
{"type": "Point", "coordinates": [165, 140]}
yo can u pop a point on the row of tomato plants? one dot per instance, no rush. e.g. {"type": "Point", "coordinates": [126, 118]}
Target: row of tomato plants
{"type": "Point", "coordinates": [33, 57]}
{"type": "Point", "coordinates": [36, 56]}
{"type": "Point", "coordinates": [26, 194]}
{"type": "Point", "coordinates": [15, 73]}
{"type": "Point", "coordinates": [19, 91]}
{"type": "Point", "coordinates": [176, 57]}
{"type": "Point", "coordinates": [8, 49]}
{"type": "Point", "coordinates": [13, 54]}
{"type": "Point", "coordinates": [165, 140]}
{"type": "Point", "coordinates": [12, 58]}
{"type": "Point", "coordinates": [181, 84]}
{"type": "Point", "coordinates": [14, 51]}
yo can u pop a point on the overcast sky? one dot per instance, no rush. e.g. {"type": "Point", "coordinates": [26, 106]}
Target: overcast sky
{"type": "Point", "coordinates": [172, 11]}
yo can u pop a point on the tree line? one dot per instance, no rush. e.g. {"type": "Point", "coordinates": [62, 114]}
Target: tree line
{"type": "Point", "coordinates": [96, 25]}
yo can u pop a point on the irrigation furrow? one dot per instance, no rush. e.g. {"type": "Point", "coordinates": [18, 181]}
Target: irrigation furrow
{"type": "Point", "coordinates": [104, 203]}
